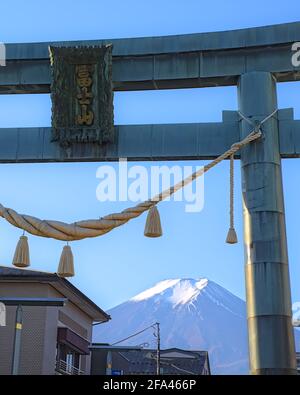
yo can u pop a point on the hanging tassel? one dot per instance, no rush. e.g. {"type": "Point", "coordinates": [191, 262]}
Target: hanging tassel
{"type": "Point", "coordinates": [153, 225]}
{"type": "Point", "coordinates": [21, 257]}
{"type": "Point", "coordinates": [66, 263]}
{"type": "Point", "coordinates": [231, 236]}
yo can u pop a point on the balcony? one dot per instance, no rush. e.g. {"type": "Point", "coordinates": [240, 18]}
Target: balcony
{"type": "Point", "coordinates": [63, 368]}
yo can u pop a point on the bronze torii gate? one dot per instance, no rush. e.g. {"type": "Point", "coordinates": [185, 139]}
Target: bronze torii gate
{"type": "Point", "coordinates": [254, 60]}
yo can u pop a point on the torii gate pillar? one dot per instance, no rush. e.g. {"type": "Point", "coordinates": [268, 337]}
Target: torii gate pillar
{"type": "Point", "coordinates": [270, 331]}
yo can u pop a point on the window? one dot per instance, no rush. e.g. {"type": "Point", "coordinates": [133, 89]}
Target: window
{"type": "Point", "coordinates": [68, 360]}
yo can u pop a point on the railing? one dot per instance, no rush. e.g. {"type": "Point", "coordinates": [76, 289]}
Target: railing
{"type": "Point", "coordinates": [63, 368]}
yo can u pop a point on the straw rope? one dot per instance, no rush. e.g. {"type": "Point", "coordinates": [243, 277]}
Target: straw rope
{"type": "Point", "coordinates": [93, 228]}
{"type": "Point", "coordinates": [231, 191]}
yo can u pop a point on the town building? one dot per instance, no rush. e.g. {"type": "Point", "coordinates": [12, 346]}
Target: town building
{"type": "Point", "coordinates": [116, 360]}
{"type": "Point", "coordinates": [54, 340]}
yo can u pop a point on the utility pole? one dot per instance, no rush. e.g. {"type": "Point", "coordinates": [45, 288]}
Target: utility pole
{"type": "Point", "coordinates": [109, 363]}
{"type": "Point", "coordinates": [17, 341]}
{"type": "Point", "coordinates": [158, 349]}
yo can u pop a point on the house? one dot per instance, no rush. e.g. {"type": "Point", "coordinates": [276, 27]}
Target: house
{"type": "Point", "coordinates": [138, 361]}
{"type": "Point", "coordinates": [54, 340]}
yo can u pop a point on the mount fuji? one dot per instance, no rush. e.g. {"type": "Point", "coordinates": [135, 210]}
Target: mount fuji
{"type": "Point", "coordinates": [193, 314]}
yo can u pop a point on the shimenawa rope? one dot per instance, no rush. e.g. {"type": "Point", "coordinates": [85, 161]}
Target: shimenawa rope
{"type": "Point", "coordinates": [93, 228]}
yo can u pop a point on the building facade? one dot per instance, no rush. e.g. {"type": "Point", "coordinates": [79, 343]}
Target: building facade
{"type": "Point", "coordinates": [54, 340]}
{"type": "Point", "coordinates": [137, 361]}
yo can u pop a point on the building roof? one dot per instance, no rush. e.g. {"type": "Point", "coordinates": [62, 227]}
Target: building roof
{"type": "Point", "coordinates": [11, 274]}
{"type": "Point", "coordinates": [173, 361]}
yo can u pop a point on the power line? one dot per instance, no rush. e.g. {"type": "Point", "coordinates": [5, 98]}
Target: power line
{"type": "Point", "coordinates": [135, 334]}
{"type": "Point", "coordinates": [157, 335]}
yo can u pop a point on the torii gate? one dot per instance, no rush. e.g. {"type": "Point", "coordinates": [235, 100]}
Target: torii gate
{"type": "Point", "coordinates": [254, 60]}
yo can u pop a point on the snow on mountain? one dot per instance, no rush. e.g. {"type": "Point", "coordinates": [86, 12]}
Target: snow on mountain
{"type": "Point", "coordinates": [193, 314]}
{"type": "Point", "coordinates": [183, 291]}
{"type": "Point", "coordinates": [157, 289]}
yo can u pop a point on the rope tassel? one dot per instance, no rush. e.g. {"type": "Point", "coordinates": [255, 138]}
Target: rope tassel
{"type": "Point", "coordinates": [231, 236]}
{"type": "Point", "coordinates": [21, 257]}
{"type": "Point", "coordinates": [66, 263]}
{"type": "Point", "coordinates": [153, 225]}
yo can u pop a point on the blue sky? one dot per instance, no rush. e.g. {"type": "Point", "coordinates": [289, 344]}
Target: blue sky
{"type": "Point", "coordinates": [122, 263]}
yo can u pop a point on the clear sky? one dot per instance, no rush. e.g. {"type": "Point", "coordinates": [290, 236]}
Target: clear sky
{"type": "Point", "coordinates": [115, 267]}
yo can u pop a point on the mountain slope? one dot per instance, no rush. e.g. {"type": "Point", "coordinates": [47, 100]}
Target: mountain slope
{"type": "Point", "coordinates": [193, 314]}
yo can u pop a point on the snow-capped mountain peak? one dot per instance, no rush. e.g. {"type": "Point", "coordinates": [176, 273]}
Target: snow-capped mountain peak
{"type": "Point", "coordinates": [158, 289]}
{"type": "Point", "coordinates": [186, 290]}
{"type": "Point", "coordinates": [176, 291]}
{"type": "Point", "coordinates": [195, 314]}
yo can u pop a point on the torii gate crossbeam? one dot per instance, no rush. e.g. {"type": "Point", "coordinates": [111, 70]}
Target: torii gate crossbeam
{"type": "Point", "coordinates": [254, 60]}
